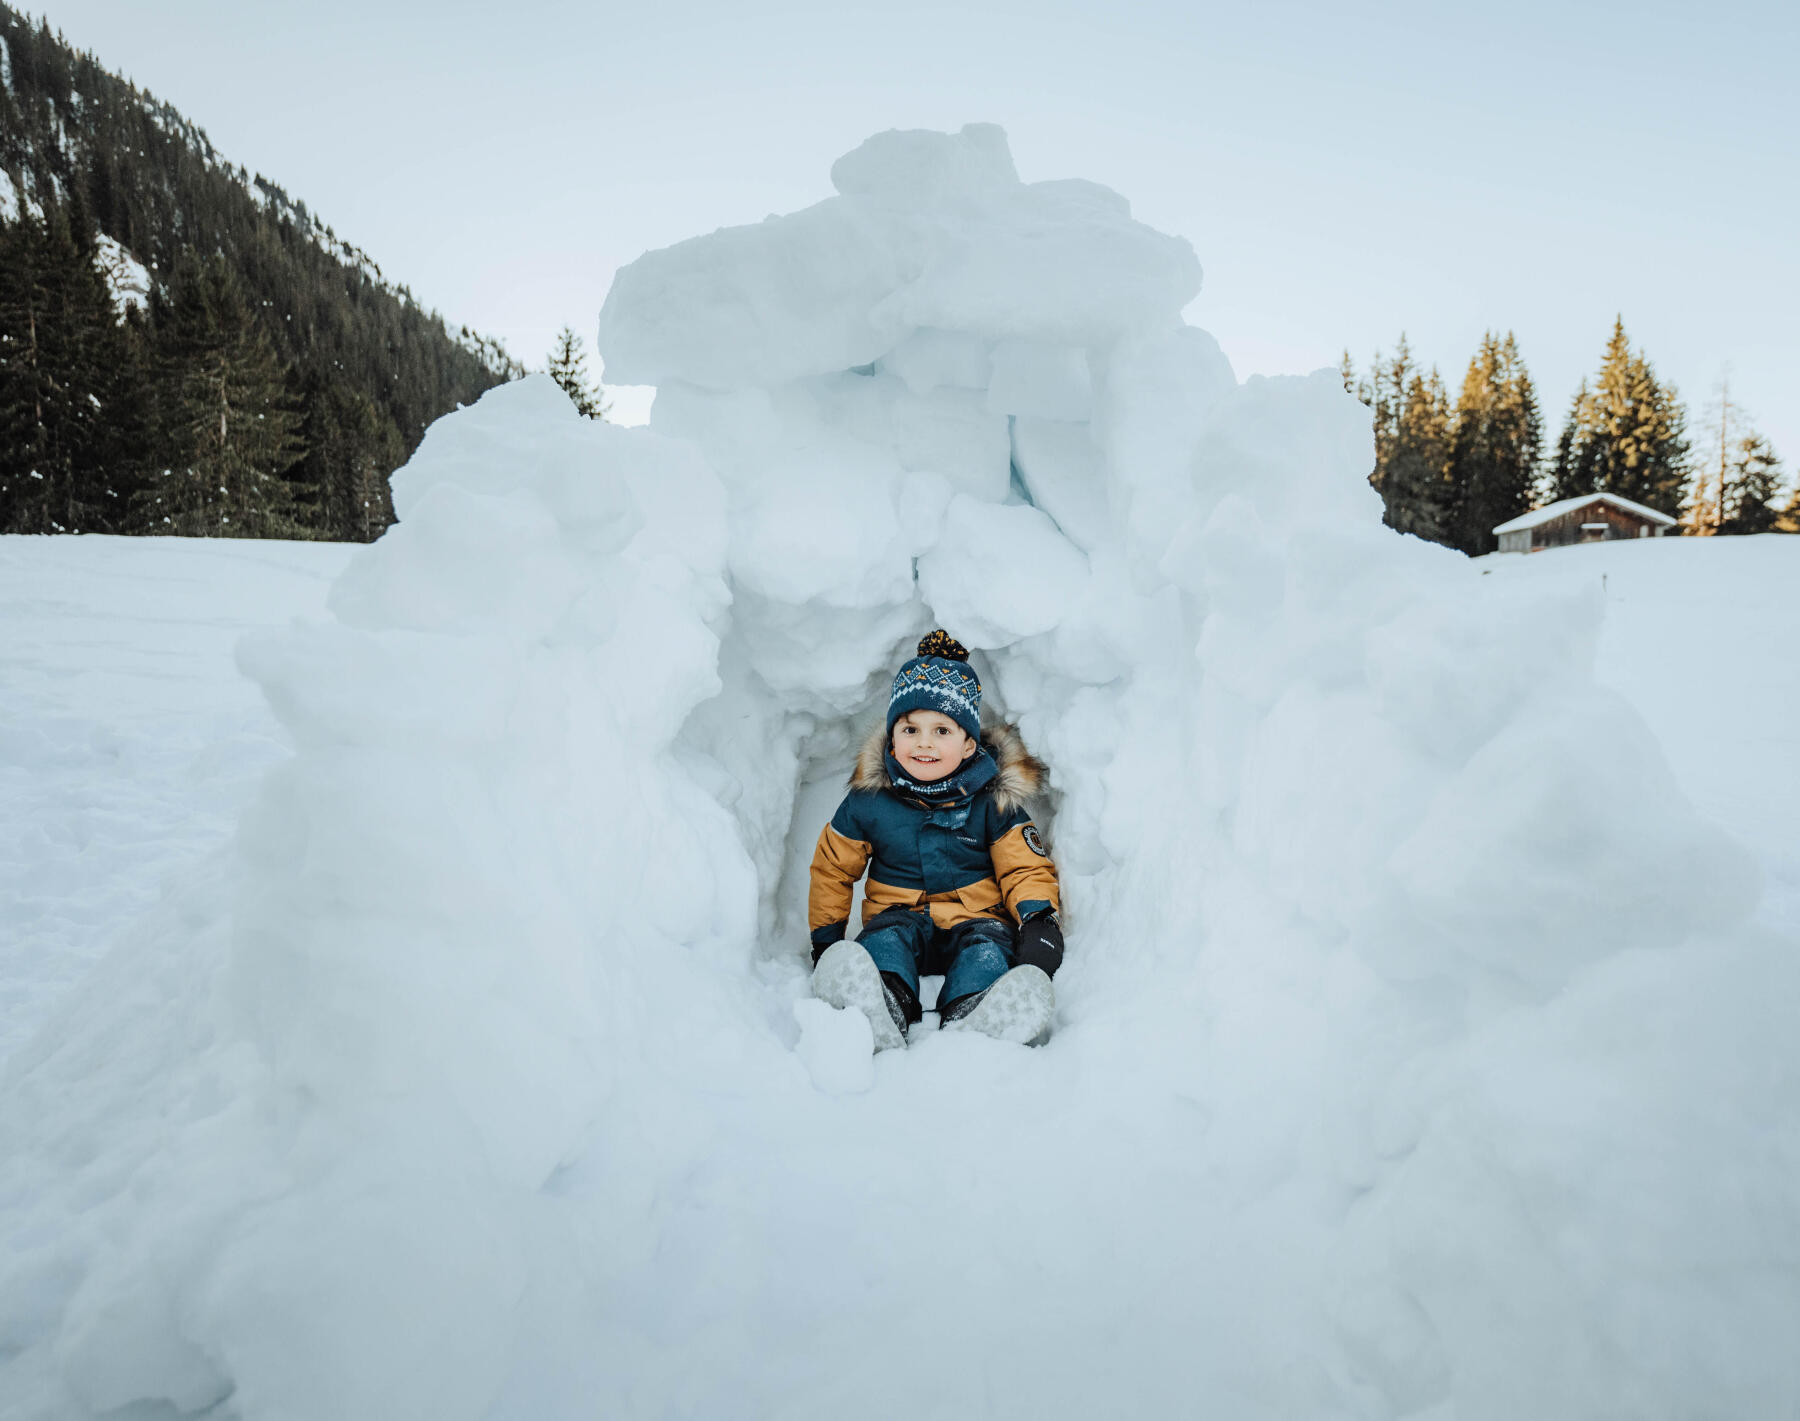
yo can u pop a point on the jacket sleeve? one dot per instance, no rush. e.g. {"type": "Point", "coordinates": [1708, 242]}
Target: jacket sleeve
{"type": "Point", "coordinates": [1022, 867]}
{"type": "Point", "coordinates": [838, 861]}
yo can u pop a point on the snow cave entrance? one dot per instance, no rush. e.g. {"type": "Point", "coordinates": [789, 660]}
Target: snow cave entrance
{"type": "Point", "coordinates": [825, 756]}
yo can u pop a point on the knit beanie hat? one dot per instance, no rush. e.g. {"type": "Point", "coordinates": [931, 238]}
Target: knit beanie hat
{"type": "Point", "coordinates": [938, 679]}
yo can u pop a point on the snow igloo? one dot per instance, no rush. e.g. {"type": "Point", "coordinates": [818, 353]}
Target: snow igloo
{"type": "Point", "coordinates": [473, 1071]}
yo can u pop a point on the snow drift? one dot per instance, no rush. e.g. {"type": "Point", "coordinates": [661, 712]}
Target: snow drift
{"type": "Point", "coordinates": [1415, 1056]}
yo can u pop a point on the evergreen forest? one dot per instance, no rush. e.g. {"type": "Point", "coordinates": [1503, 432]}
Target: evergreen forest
{"type": "Point", "coordinates": [183, 347]}
{"type": "Point", "coordinates": [1450, 470]}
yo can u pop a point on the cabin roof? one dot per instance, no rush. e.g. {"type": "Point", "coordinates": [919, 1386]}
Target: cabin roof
{"type": "Point", "coordinates": [1552, 511]}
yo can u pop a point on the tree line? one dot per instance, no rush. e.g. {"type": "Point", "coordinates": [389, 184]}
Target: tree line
{"type": "Point", "coordinates": [1450, 471]}
{"type": "Point", "coordinates": [267, 378]}
{"type": "Point", "coordinates": [175, 414]}
{"type": "Point", "coordinates": [178, 417]}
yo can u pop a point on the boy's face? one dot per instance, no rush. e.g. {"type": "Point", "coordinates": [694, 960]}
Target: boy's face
{"type": "Point", "coordinates": [929, 745]}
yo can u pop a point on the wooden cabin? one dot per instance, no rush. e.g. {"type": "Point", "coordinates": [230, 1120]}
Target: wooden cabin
{"type": "Point", "coordinates": [1593, 518]}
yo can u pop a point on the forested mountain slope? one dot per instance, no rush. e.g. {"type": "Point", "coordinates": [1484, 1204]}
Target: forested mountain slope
{"type": "Point", "coordinates": [184, 347]}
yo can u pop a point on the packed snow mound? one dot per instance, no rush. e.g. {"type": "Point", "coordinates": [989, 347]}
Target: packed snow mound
{"type": "Point", "coordinates": [128, 742]}
{"type": "Point", "coordinates": [932, 233]}
{"type": "Point", "coordinates": [1414, 1058]}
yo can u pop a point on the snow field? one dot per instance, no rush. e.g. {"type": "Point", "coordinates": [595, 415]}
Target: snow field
{"type": "Point", "coordinates": [128, 742]}
{"type": "Point", "coordinates": [1422, 1052]}
{"type": "Point", "coordinates": [1697, 636]}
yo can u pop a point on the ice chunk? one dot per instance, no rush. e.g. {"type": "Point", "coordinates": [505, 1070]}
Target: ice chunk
{"type": "Point", "coordinates": [1047, 262]}
{"type": "Point", "coordinates": [921, 170]}
{"type": "Point", "coordinates": [450, 563]}
{"type": "Point", "coordinates": [943, 431]}
{"type": "Point", "coordinates": [929, 359]}
{"type": "Point", "coordinates": [1048, 381]}
{"type": "Point", "coordinates": [1000, 572]}
{"type": "Point", "coordinates": [756, 306]}
{"type": "Point", "coordinates": [1063, 475]}
{"type": "Point", "coordinates": [1161, 392]}
{"type": "Point", "coordinates": [929, 233]}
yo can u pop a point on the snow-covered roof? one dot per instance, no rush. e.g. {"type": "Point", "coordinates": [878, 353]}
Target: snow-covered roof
{"type": "Point", "coordinates": [1550, 511]}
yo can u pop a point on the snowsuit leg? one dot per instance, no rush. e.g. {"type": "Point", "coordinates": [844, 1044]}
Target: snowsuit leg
{"type": "Point", "coordinates": [972, 956]}
{"type": "Point", "coordinates": [979, 953]}
{"type": "Point", "coordinates": [898, 939]}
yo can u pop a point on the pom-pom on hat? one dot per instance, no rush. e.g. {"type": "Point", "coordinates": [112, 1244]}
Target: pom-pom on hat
{"type": "Point", "coordinates": [938, 679]}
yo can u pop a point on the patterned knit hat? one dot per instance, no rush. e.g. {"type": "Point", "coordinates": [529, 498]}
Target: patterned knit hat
{"type": "Point", "coordinates": [939, 679]}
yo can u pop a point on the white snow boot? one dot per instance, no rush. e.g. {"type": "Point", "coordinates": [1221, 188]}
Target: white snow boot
{"type": "Point", "coordinates": [847, 977]}
{"type": "Point", "coordinates": [1019, 1007]}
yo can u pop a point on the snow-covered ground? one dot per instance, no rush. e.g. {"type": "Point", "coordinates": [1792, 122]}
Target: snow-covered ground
{"type": "Point", "coordinates": [1424, 1047]}
{"type": "Point", "coordinates": [129, 740]}
{"type": "Point", "coordinates": [1703, 637]}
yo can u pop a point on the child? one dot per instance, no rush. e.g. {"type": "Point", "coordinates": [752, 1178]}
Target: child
{"type": "Point", "coordinates": [935, 814]}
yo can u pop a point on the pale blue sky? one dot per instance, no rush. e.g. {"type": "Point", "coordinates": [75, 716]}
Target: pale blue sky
{"type": "Point", "coordinates": [1345, 172]}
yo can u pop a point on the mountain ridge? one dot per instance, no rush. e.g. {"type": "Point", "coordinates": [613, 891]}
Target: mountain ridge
{"type": "Point", "coordinates": [130, 170]}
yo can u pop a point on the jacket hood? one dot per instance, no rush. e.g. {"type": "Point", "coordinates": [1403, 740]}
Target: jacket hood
{"type": "Point", "coordinates": [1021, 775]}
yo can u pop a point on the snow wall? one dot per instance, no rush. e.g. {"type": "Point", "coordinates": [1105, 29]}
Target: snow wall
{"type": "Point", "coordinates": [1413, 1058]}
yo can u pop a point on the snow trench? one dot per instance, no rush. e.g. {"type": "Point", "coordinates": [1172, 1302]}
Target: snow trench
{"type": "Point", "coordinates": [1413, 1057]}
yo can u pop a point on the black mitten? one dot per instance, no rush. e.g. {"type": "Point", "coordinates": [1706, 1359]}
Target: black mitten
{"type": "Point", "coordinates": [825, 937]}
{"type": "Point", "coordinates": [1040, 942]}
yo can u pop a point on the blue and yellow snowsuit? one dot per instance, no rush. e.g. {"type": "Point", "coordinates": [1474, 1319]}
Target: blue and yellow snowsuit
{"type": "Point", "coordinates": [950, 876]}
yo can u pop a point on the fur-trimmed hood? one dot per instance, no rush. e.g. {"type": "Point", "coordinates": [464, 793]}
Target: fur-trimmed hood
{"type": "Point", "coordinates": [1022, 776]}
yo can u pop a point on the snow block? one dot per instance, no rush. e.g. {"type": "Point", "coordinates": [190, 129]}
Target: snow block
{"type": "Point", "coordinates": [922, 170]}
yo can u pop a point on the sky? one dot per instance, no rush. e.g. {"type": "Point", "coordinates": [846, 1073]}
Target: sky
{"type": "Point", "coordinates": [1345, 172]}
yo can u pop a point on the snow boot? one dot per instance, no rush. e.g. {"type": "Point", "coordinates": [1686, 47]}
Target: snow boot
{"type": "Point", "coordinates": [847, 977]}
{"type": "Point", "coordinates": [1017, 1008]}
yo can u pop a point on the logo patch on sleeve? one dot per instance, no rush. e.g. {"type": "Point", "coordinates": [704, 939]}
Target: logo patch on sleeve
{"type": "Point", "coordinates": [1032, 842]}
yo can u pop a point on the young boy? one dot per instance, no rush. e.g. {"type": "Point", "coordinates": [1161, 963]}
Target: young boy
{"type": "Point", "coordinates": [936, 815]}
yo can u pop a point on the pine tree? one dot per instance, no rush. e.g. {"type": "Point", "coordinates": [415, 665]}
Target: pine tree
{"type": "Point", "coordinates": [1736, 474]}
{"type": "Point", "coordinates": [1571, 473]}
{"type": "Point", "coordinates": [1626, 434]}
{"type": "Point", "coordinates": [1752, 480]}
{"type": "Point", "coordinates": [1411, 416]}
{"type": "Point", "coordinates": [568, 367]}
{"type": "Point", "coordinates": [1383, 393]}
{"type": "Point", "coordinates": [1423, 500]}
{"type": "Point", "coordinates": [1789, 521]}
{"type": "Point", "coordinates": [350, 447]}
{"type": "Point", "coordinates": [1495, 447]}
{"type": "Point", "coordinates": [228, 429]}
{"type": "Point", "coordinates": [65, 372]}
